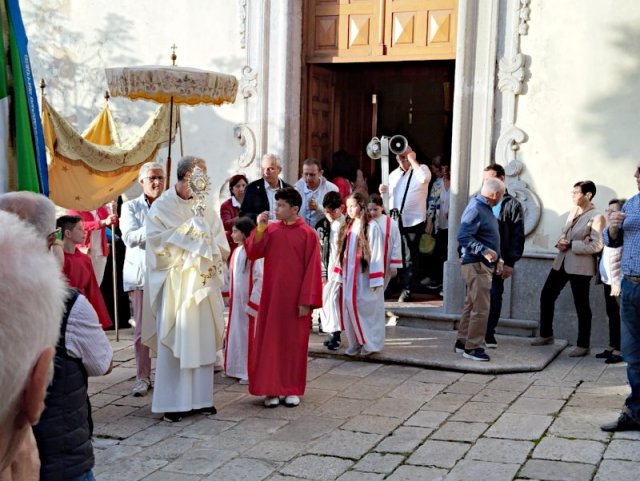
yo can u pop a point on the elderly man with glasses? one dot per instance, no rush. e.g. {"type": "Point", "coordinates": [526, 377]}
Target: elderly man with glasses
{"type": "Point", "coordinates": [134, 235]}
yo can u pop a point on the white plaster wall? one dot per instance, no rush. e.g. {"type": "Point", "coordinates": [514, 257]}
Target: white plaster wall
{"type": "Point", "coordinates": [580, 108]}
{"type": "Point", "coordinates": [72, 41]}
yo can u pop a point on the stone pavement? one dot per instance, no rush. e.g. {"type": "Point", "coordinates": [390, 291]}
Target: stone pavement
{"type": "Point", "coordinates": [373, 421]}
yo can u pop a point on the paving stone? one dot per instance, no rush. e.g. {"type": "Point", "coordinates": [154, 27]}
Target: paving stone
{"type": "Point", "coordinates": [634, 435]}
{"type": "Point", "coordinates": [516, 426]}
{"type": "Point", "coordinates": [169, 449]}
{"type": "Point", "coordinates": [623, 449]}
{"type": "Point", "coordinates": [320, 468]}
{"type": "Point", "coordinates": [486, 412]}
{"type": "Point", "coordinates": [420, 391]}
{"type": "Point", "coordinates": [379, 463]}
{"type": "Point", "coordinates": [102, 399]}
{"type": "Point", "coordinates": [318, 366]}
{"type": "Point", "coordinates": [511, 383]}
{"type": "Point", "coordinates": [224, 398]}
{"type": "Point", "coordinates": [445, 401]}
{"type": "Point", "coordinates": [355, 368]}
{"type": "Point", "coordinates": [304, 409]}
{"type": "Point", "coordinates": [557, 471]}
{"type": "Point", "coordinates": [400, 408]}
{"type": "Point", "coordinates": [572, 450]}
{"type": "Point", "coordinates": [471, 469]}
{"type": "Point", "coordinates": [342, 408]}
{"type": "Point", "coordinates": [360, 476]}
{"type": "Point", "coordinates": [582, 423]}
{"type": "Point", "coordinates": [366, 423]}
{"type": "Point", "coordinates": [414, 473]}
{"type": "Point", "coordinates": [200, 461]}
{"type": "Point", "coordinates": [130, 469]}
{"type": "Point", "coordinates": [333, 382]}
{"type": "Point", "coordinates": [427, 419]}
{"type": "Point", "coordinates": [204, 428]}
{"type": "Point", "coordinates": [275, 450]}
{"type": "Point", "coordinates": [548, 392]}
{"type": "Point", "coordinates": [306, 429]}
{"type": "Point", "coordinates": [280, 477]}
{"type": "Point", "coordinates": [529, 405]}
{"type": "Point", "coordinates": [238, 440]}
{"type": "Point", "coordinates": [124, 427]}
{"type": "Point", "coordinates": [439, 454]}
{"type": "Point", "coordinates": [461, 387]}
{"type": "Point", "coordinates": [111, 413]}
{"type": "Point", "coordinates": [152, 435]}
{"type": "Point", "coordinates": [361, 390]}
{"type": "Point", "coordinates": [318, 396]}
{"type": "Point", "coordinates": [500, 450]}
{"type": "Point", "coordinates": [114, 454]}
{"type": "Point", "coordinates": [495, 396]}
{"type": "Point", "coordinates": [260, 425]}
{"type": "Point", "coordinates": [477, 378]}
{"type": "Point", "coordinates": [587, 400]}
{"type": "Point", "coordinates": [130, 400]}
{"type": "Point", "coordinates": [610, 470]}
{"type": "Point", "coordinates": [96, 387]}
{"type": "Point", "coordinates": [437, 377]}
{"type": "Point", "coordinates": [391, 375]}
{"type": "Point", "coordinates": [403, 440]}
{"type": "Point", "coordinates": [459, 431]}
{"type": "Point", "coordinates": [242, 469]}
{"type": "Point", "coordinates": [169, 476]}
{"type": "Point", "coordinates": [345, 444]}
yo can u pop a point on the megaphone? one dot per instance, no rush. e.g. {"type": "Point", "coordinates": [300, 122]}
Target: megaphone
{"type": "Point", "coordinates": [398, 144]}
{"type": "Point", "coordinates": [374, 148]}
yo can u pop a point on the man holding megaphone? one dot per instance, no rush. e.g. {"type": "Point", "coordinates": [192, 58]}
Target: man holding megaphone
{"type": "Point", "coordinates": [408, 189]}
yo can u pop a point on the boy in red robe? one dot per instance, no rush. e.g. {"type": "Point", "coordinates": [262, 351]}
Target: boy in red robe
{"type": "Point", "coordinates": [291, 289]}
{"type": "Point", "coordinates": [78, 267]}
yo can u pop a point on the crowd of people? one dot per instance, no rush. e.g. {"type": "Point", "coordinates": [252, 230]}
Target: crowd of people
{"type": "Point", "coordinates": [274, 254]}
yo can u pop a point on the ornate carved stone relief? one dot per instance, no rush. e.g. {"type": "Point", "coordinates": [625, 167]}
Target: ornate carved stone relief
{"type": "Point", "coordinates": [247, 139]}
{"type": "Point", "coordinates": [242, 14]}
{"type": "Point", "coordinates": [248, 82]}
{"type": "Point", "coordinates": [512, 77]}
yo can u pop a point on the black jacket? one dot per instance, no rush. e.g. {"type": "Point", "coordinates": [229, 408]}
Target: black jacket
{"type": "Point", "coordinates": [64, 431]}
{"type": "Point", "coordinates": [511, 226]}
{"type": "Point", "coordinates": [255, 198]}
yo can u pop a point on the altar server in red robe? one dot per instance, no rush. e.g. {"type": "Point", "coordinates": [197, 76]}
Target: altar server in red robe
{"type": "Point", "coordinates": [78, 267]}
{"type": "Point", "coordinates": [291, 288]}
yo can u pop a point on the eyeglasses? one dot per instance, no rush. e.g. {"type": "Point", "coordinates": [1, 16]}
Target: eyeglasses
{"type": "Point", "coordinates": [154, 178]}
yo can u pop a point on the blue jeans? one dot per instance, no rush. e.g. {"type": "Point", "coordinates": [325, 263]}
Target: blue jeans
{"type": "Point", "coordinates": [630, 314]}
{"type": "Point", "coordinates": [88, 476]}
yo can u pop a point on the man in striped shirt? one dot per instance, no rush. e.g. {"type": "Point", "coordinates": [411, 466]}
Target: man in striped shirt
{"type": "Point", "coordinates": [624, 230]}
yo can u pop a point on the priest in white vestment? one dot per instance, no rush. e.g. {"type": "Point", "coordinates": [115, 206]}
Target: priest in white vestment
{"type": "Point", "coordinates": [186, 257]}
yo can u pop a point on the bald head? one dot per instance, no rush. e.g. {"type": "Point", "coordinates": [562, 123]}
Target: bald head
{"type": "Point", "coordinates": [35, 209]}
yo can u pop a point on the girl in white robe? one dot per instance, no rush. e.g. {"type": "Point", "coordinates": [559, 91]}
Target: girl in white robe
{"type": "Point", "coordinates": [245, 286]}
{"type": "Point", "coordinates": [361, 272]}
{"type": "Point", "coordinates": [391, 236]}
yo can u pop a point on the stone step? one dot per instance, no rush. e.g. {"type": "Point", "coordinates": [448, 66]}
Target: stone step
{"type": "Point", "coordinates": [429, 317]}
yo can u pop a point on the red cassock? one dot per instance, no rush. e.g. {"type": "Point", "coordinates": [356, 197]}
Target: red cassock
{"type": "Point", "coordinates": [291, 278]}
{"type": "Point", "coordinates": [79, 271]}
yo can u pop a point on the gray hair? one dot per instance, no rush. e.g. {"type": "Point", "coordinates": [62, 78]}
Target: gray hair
{"type": "Point", "coordinates": [186, 163]}
{"type": "Point", "coordinates": [35, 209]}
{"type": "Point", "coordinates": [28, 323]}
{"type": "Point", "coordinates": [492, 186]}
{"type": "Point", "coordinates": [273, 157]}
{"type": "Point", "coordinates": [144, 170]}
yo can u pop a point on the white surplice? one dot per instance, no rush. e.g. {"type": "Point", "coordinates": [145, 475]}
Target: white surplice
{"type": "Point", "coordinates": [245, 287]}
{"type": "Point", "coordinates": [362, 292]}
{"type": "Point", "coordinates": [330, 312]}
{"type": "Point", "coordinates": [184, 321]}
{"type": "Point", "coordinates": [392, 246]}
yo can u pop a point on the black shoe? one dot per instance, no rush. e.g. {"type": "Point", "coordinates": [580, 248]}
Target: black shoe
{"type": "Point", "coordinates": [623, 423]}
{"type": "Point", "coordinates": [173, 417]}
{"type": "Point", "coordinates": [405, 296]}
{"type": "Point", "coordinates": [614, 359]}
{"type": "Point", "coordinates": [320, 331]}
{"type": "Point", "coordinates": [476, 354]}
{"type": "Point", "coordinates": [490, 342]}
{"type": "Point", "coordinates": [206, 411]}
{"type": "Point", "coordinates": [459, 347]}
{"type": "Point", "coordinates": [606, 354]}
{"type": "Point", "coordinates": [328, 339]}
{"type": "Point", "coordinates": [334, 341]}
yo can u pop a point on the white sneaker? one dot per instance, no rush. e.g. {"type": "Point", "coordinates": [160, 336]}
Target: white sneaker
{"type": "Point", "coordinates": [140, 387]}
{"type": "Point", "coordinates": [132, 322]}
{"type": "Point", "coordinates": [243, 381]}
{"type": "Point", "coordinates": [291, 401]}
{"type": "Point", "coordinates": [425, 281]}
{"type": "Point", "coordinates": [271, 402]}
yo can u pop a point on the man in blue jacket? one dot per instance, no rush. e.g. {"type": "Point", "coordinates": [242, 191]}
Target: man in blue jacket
{"type": "Point", "coordinates": [510, 217]}
{"type": "Point", "coordinates": [479, 239]}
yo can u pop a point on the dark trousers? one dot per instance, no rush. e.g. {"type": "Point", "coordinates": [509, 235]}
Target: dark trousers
{"type": "Point", "coordinates": [439, 256]}
{"type": "Point", "coordinates": [497, 289]}
{"type": "Point", "coordinates": [550, 292]}
{"type": "Point", "coordinates": [411, 237]}
{"type": "Point", "coordinates": [613, 313]}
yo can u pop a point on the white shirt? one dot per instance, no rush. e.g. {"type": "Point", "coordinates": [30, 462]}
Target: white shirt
{"type": "Point", "coordinates": [415, 206]}
{"type": "Point", "coordinates": [312, 217]}
{"type": "Point", "coordinates": [271, 195]}
{"type": "Point", "coordinates": [443, 217]}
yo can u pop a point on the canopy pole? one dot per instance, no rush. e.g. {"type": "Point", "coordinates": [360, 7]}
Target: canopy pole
{"type": "Point", "coordinates": [114, 269]}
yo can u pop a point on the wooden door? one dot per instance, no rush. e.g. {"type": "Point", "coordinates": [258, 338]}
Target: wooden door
{"type": "Point", "coordinates": [319, 108]}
